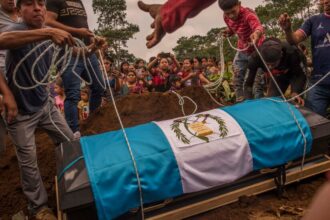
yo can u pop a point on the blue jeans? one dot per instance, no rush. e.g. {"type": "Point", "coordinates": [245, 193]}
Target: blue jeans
{"type": "Point", "coordinates": [240, 63]}
{"type": "Point", "coordinates": [72, 84]}
{"type": "Point", "coordinates": [318, 99]}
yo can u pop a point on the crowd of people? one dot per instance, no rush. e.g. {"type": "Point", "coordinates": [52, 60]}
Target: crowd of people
{"type": "Point", "coordinates": [82, 88]}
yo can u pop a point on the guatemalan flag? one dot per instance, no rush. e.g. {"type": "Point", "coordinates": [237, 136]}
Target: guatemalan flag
{"type": "Point", "coordinates": [191, 154]}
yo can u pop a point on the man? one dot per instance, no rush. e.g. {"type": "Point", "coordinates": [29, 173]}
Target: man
{"type": "Point", "coordinates": [8, 16]}
{"type": "Point", "coordinates": [286, 63]}
{"type": "Point", "coordinates": [318, 27]}
{"type": "Point", "coordinates": [71, 17]}
{"type": "Point", "coordinates": [240, 21]}
{"type": "Point", "coordinates": [36, 109]}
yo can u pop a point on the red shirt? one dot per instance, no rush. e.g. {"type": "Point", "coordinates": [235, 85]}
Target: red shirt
{"type": "Point", "coordinates": [246, 23]}
{"type": "Point", "coordinates": [174, 13]}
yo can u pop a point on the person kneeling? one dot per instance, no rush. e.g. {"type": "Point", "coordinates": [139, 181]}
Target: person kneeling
{"type": "Point", "coordinates": [286, 64]}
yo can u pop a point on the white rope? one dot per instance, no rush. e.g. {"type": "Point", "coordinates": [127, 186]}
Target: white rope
{"type": "Point", "coordinates": [304, 92]}
{"type": "Point", "coordinates": [213, 87]}
{"type": "Point", "coordinates": [55, 61]}
{"type": "Point", "coordinates": [126, 137]}
{"type": "Point", "coordinates": [289, 106]}
{"type": "Point", "coordinates": [237, 49]}
{"type": "Point", "coordinates": [181, 103]}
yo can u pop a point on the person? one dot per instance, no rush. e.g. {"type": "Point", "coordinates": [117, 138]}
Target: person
{"type": "Point", "coordinates": [83, 104]}
{"type": "Point", "coordinates": [240, 20]}
{"type": "Point", "coordinates": [35, 108]}
{"type": "Point", "coordinates": [318, 28]}
{"type": "Point", "coordinates": [124, 67]}
{"type": "Point", "coordinates": [8, 16]}
{"type": "Point", "coordinates": [286, 65]}
{"type": "Point", "coordinates": [188, 76]}
{"type": "Point", "coordinates": [198, 69]}
{"type": "Point", "coordinates": [60, 96]}
{"type": "Point", "coordinates": [71, 17]}
{"type": "Point", "coordinates": [319, 208]}
{"type": "Point", "coordinates": [8, 108]}
{"type": "Point", "coordinates": [162, 75]}
{"type": "Point", "coordinates": [131, 85]}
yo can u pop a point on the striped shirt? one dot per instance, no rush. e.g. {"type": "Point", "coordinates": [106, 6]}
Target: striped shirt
{"type": "Point", "coordinates": [246, 23]}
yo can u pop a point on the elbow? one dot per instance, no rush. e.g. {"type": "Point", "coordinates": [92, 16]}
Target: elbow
{"type": "Point", "coordinates": [6, 41]}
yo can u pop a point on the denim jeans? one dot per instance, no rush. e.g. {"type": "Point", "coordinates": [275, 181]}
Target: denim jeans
{"type": "Point", "coordinates": [318, 99]}
{"type": "Point", "coordinates": [72, 84]}
{"type": "Point", "coordinates": [240, 63]}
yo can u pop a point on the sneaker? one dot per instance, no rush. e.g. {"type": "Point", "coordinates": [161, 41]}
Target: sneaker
{"type": "Point", "coordinates": [45, 214]}
{"type": "Point", "coordinates": [76, 135]}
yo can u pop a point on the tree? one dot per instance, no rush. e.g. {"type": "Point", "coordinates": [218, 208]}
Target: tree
{"type": "Point", "coordinates": [203, 46]}
{"type": "Point", "coordinates": [114, 26]}
{"type": "Point", "coordinates": [298, 10]}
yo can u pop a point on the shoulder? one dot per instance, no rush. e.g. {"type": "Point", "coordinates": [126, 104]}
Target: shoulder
{"type": "Point", "coordinates": [315, 18]}
{"type": "Point", "coordinates": [55, 5]}
{"type": "Point", "coordinates": [247, 12]}
{"type": "Point", "coordinates": [292, 52]}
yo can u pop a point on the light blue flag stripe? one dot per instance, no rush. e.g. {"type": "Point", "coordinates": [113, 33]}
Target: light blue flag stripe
{"type": "Point", "coordinates": [111, 171]}
{"type": "Point", "coordinates": [273, 135]}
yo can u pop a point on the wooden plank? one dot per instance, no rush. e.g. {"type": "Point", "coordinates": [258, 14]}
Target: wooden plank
{"type": "Point", "coordinates": [59, 212]}
{"type": "Point", "coordinates": [293, 175]}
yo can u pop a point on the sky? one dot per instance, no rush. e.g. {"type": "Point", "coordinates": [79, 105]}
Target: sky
{"type": "Point", "coordinates": [211, 17]}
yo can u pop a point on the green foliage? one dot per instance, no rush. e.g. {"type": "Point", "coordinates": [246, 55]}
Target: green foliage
{"type": "Point", "coordinates": [271, 10]}
{"type": "Point", "coordinates": [114, 26]}
{"type": "Point", "coordinates": [203, 46]}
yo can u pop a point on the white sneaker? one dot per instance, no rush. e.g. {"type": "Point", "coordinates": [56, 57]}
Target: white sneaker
{"type": "Point", "coordinates": [76, 135]}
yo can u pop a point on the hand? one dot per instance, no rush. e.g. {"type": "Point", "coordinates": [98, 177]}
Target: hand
{"type": "Point", "coordinates": [158, 33]}
{"type": "Point", "coordinates": [99, 42]}
{"type": "Point", "coordinates": [192, 74]}
{"type": "Point", "coordinates": [115, 73]}
{"type": "Point", "coordinates": [84, 32]}
{"type": "Point", "coordinates": [8, 105]}
{"type": "Point", "coordinates": [300, 101]}
{"type": "Point", "coordinates": [225, 33]}
{"type": "Point", "coordinates": [285, 22]}
{"type": "Point", "coordinates": [255, 36]}
{"type": "Point", "coordinates": [60, 37]}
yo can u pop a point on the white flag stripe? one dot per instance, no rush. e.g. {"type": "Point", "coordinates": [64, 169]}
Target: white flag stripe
{"type": "Point", "coordinates": [205, 164]}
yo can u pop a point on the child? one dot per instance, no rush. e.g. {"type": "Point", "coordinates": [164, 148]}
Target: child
{"type": "Point", "coordinates": [246, 25]}
{"type": "Point", "coordinates": [60, 96]}
{"type": "Point", "coordinates": [83, 104]}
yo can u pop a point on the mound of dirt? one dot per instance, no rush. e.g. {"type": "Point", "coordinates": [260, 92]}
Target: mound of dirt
{"type": "Point", "coordinates": [139, 109]}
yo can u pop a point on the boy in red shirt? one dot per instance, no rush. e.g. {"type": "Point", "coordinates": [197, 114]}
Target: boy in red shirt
{"type": "Point", "coordinates": [241, 21]}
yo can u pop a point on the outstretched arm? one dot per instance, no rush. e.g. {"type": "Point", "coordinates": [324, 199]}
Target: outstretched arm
{"type": "Point", "coordinates": [171, 16]}
{"type": "Point", "coordinates": [16, 39]}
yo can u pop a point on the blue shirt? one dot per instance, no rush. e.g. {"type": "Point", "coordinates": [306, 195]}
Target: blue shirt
{"type": "Point", "coordinates": [31, 100]}
{"type": "Point", "coordinates": [318, 27]}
